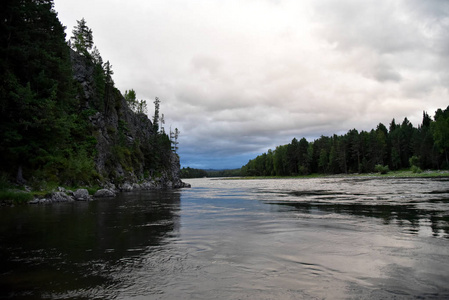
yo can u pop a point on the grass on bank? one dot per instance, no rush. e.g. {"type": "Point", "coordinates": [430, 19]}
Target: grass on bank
{"type": "Point", "coordinates": [12, 194]}
{"type": "Point", "coordinates": [15, 196]}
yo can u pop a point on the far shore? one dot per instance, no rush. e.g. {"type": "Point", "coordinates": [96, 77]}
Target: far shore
{"type": "Point", "coordinates": [390, 174]}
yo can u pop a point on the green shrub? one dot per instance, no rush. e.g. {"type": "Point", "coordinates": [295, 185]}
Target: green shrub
{"type": "Point", "coordinates": [92, 189]}
{"type": "Point", "coordinates": [79, 168]}
{"type": "Point", "coordinates": [111, 129]}
{"type": "Point", "coordinates": [381, 169]}
{"type": "Point", "coordinates": [416, 169]}
{"type": "Point", "coordinates": [4, 183]}
{"type": "Point", "coordinates": [414, 161]}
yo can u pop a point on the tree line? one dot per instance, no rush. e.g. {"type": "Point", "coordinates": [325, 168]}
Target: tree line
{"type": "Point", "coordinates": [188, 172]}
{"type": "Point", "coordinates": [399, 146]}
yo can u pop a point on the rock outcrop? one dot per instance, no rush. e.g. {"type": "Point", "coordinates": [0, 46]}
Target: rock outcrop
{"type": "Point", "coordinates": [81, 195]}
{"type": "Point", "coordinates": [63, 195]}
{"type": "Point", "coordinates": [129, 150]}
{"type": "Point", "coordinates": [104, 193]}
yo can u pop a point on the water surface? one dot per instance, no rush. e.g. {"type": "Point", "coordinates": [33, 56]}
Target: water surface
{"type": "Point", "coordinates": [328, 238]}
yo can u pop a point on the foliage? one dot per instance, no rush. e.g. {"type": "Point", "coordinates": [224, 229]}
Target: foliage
{"type": "Point", "coordinates": [381, 169]}
{"type": "Point", "coordinates": [17, 197]}
{"type": "Point", "coordinates": [131, 99]}
{"type": "Point", "coordinates": [193, 173]}
{"type": "Point", "coordinates": [200, 173]}
{"type": "Point", "coordinates": [398, 147]}
{"type": "Point", "coordinates": [4, 182]}
{"type": "Point", "coordinates": [413, 161]}
{"type": "Point", "coordinates": [440, 132]}
{"type": "Point", "coordinates": [79, 168]}
{"type": "Point", "coordinates": [416, 169]}
{"type": "Point", "coordinates": [37, 91]}
{"type": "Point", "coordinates": [157, 103]}
{"type": "Point", "coordinates": [137, 106]}
{"type": "Point", "coordinates": [82, 39]}
{"type": "Point", "coordinates": [174, 139]}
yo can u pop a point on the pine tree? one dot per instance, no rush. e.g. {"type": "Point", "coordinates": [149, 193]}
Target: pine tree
{"type": "Point", "coordinates": [440, 131]}
{"type": "Point", "coordinates": [82, 39]}
{"type": "Point", "coordinates": [36, 89]}
{"type": "Point", "coordinates": [174, 139]}
{"type": "Point", "coordinates": [157, 103]}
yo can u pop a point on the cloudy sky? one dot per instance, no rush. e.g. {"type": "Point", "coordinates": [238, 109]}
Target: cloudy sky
{"type": "Point", "coordinates": [238, 77]}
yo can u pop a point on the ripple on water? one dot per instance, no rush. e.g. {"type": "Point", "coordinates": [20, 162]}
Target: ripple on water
{"type": "Point", "coordinates": [332, 238]}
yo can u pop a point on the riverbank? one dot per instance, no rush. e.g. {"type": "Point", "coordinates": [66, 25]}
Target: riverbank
{"type": "Point", "coordinates": [392, 174]}
{"type": "Point", "coordinates": [14, 195]}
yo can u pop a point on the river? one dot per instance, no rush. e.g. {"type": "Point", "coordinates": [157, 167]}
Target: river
{"type": "Point", "coordinates": [324, 238]}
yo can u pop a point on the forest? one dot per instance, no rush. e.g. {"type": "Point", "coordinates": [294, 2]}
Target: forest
{"type": "Point", "coordinates": [188, 172]}
{"type": "Point", "coordinates": [399, 146]}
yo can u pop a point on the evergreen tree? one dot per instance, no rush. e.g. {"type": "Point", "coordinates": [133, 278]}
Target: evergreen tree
{"type": "Point", "coordinates": [424, 145]}
{"type": "Point", "coordinates": [82, 39]}
{"type": "Point", "coordinates": [440, 131]}
{"type": "Point", "coordinates": [36, 89]}
{"type": "Point", "coordinates": [303, 159]}
{"type": "Point", "coordinates": [174, 139]}
{"type": "Point", "coordinates": [406, 135]}
{"type": "Point", "coordinates": [96, 57]}
{"type": "Point", "coordinates": [131, 99]}
{"type": "Point", "coordinates": [157, 103]}
{"type": "Point", "coordinates": [269, 165]}
{"type": "Point", "coordinates": [293, 157]}
{"type": "Point", "coordinates": [323, 161]}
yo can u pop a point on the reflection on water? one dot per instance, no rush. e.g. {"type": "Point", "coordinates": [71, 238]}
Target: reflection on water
{"type": "Point", "coordinates": [329, 238]}
{"type": "Point", "coordinates": [409, 203]}
{"type": "Point", "coordinates": [47, 250]}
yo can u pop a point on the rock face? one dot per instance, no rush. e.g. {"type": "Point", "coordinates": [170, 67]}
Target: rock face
{"type": "Point", "coordinates": [81, 195]}
{"type": "Point", "coordinates": [61, 197]}
{"type": "Point", "coordinates": [128, 148]}
{"type": "Point", "coordinates": [103, 193]}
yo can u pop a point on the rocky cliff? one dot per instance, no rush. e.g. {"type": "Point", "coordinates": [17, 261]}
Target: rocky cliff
{"type": "Point", "coordinates": [129, 152]}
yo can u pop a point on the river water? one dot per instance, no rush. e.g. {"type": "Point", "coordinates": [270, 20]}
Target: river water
{"type": "Point", "coordinates": [327, 238]}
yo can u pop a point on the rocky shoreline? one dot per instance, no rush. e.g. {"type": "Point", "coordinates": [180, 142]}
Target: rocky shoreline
{"type": "Point", "coordinates": [108, 190]}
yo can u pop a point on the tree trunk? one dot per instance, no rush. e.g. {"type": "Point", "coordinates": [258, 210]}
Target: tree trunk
{"type": "Point", "coordinates": [19, 177]}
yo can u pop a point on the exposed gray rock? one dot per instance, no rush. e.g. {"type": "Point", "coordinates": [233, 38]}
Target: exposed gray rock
{"type": "Point", "coordinates": [81, 195]}
{"type": "Point", "coordinates": [104, 193]}
{"type": "Point", "coordinates": [61, 197]}
{"type": "Point", "coordinates": [184, 185]}
{"type": "Point", "coordinates": [110, 186]}
{"type": "Point", "coordinates": [148, 185]}
{"type": "Point", "coordinates": [126, 187]}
